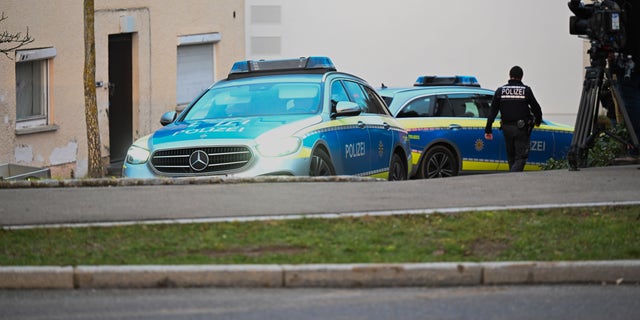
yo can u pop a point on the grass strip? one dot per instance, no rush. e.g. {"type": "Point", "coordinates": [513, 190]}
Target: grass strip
{"type": "Point", "coordinates": [569, 234]}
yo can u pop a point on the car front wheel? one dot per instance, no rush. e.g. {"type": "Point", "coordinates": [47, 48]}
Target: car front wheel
{"type": "Point", "coordinates": [438, 162]}
{"type": "Point", "coordinates": [321, 164]}
{"type": "Point", "coordinates": [397, 170]}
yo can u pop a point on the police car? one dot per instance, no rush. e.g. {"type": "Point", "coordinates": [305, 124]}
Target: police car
{"type": "Point", "coordinates": [277, 117]}
{"type": "Point", "coordinates": [446, 116]}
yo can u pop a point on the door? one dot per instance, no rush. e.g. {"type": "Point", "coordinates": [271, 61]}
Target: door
{"type": "Point", "coordinates": [466, 115]}
{"type": "Point", "coordinates": [120, 96]}
{"type": "Point", "coordinates": [380, 132]}
{"type": "Point", "coordinates": [354, 135]}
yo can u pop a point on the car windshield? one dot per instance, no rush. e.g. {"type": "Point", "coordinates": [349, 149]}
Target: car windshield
{"type": "Point", "coordinates": [258, 99]}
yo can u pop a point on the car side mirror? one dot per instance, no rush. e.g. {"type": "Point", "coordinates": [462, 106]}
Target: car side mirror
{"type": "Point", "coordinates": [347, 108]}
{"type": "Point", "coordinates": [168, 117]}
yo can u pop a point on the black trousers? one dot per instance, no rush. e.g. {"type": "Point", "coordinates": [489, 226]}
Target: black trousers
{"type": "Point", "coordinates": [518, 143]}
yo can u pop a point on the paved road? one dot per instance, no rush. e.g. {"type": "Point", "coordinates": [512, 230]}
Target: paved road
{"type": "Point", "coordinates": [232, 198]}
{"type": "Point", "coordinates": [502, 302]}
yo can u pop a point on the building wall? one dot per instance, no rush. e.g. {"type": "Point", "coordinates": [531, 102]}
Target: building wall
{"type": "Point", "coordinates": [393, 42]}
{"type": "Point", "coordinates": [155, 26]}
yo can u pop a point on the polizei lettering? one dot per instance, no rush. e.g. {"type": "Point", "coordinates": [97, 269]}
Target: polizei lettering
{"type": "Point", "coordinates": [353, 150]}
{"type": "Point", "coordinates": [512, 92]}
{"type": "Point", "coordinates": [538, 145]}
{"type": "Point", "coordinates": [222, 126]}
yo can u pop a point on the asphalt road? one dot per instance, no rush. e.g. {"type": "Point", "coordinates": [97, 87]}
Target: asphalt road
{"type": "Point", "coordinates": [501, 302]}
{"type": "Point", "coordinates": [235, 199]}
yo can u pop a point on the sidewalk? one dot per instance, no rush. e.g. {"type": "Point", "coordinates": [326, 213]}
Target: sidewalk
{"type": "Point", "coordinates": [322, 275]}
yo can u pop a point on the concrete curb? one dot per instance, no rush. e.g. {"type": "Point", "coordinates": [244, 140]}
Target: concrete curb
{"type": "Point", "coordinates": [382, 275]}
{"type": "Point", "coordinates": [562, 272]}
{"type": "Point", "coordinates": [321, 275]}
{"type": "Point", "coordinates": [36, 277]}
{"type": "Point", "coordinates": [130, 182]}
{"type": "Point", "coordinates": [178, 276]}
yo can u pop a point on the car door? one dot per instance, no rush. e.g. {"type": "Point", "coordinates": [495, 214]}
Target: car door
{"type": "Point", "coordinates": [380, 132]}
{"type": "Point", "coordinates": [542, 145]}
{"type": "Point", "coordinates": [466, 119]}
{"type": "Point", "coordinates": [352, 152]}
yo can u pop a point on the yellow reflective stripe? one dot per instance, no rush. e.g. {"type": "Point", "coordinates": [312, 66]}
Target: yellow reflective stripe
{"type": "Point", "coordinates": [527, 167]}
{"type": "Point", "coordinates": [381, 175]}
{"type": "Point", "coordinates": [532, 167]}
{"type": "Point", "coordinates": [475, 165]}
{"type": "Point", "coordinates": [478, 165]}
{"type": "Point", "coordinates": [415, 157]}
{"type": "Point", "coordinates": [439, 123]}
{"type": "Point", "coordinates": [304, 153]}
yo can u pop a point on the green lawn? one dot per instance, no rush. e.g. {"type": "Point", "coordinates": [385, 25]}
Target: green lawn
{"type": "Point", "coordinates": [597, 233]}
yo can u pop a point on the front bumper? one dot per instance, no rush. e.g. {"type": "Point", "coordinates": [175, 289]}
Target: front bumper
{"type": "Point", "coordinates": [296, 164]}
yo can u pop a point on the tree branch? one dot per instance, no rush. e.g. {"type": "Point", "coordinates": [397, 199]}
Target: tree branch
{"type": "Point", "coordinates": [9, 42]}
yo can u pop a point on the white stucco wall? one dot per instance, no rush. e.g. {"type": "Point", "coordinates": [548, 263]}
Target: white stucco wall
{"type": "Point", "coordinates": [393, 42]}
{"type": "Point", "coordinates": [155, 26]}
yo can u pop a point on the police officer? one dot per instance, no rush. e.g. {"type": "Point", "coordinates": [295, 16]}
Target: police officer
{"type": "Point", "coordinates": [519, 111]}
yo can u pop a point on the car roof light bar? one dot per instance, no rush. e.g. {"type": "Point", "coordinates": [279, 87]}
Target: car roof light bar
{"type": "Point", "coordinates": [427, 81]}
{"type": "Point", "coordinates": [247, 68]}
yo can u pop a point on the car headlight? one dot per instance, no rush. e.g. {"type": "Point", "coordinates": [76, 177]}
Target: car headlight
{"type": "Point", "coordinates": [279, 147]}
{"type": "Point", "coordinates": [137, 155]}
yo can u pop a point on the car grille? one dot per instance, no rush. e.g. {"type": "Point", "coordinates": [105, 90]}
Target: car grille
{"type": "Point", "coordinates": [220, 160]}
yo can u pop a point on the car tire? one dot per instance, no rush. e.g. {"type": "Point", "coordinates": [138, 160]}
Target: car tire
{"type": "Point", "coordinates": [397, 169]}
{"type": "Point", "coordinates": [321, 164]}
{"type": "Point", "coordinates": [438, 162]}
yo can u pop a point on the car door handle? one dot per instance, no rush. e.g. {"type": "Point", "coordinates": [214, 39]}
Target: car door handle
{"type": "Point", "coordinates": [361, 125]}
{"type": "Point", "coordinates": [386, 126]}
{"type": "Point", "coordinates": [454, 126]}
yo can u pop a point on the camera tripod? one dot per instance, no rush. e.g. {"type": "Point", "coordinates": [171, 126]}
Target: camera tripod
{"type": "Point", "coordinates": [597, 77]}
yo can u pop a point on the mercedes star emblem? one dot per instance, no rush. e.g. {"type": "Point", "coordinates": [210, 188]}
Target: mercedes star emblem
{"type": "Point", "coordinates": [199, 160]}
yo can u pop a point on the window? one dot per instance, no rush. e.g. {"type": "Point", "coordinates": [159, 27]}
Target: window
{"type": "Point", "coordinates": [483, 102]}
{"type": "Point", "coordinates": [195, 65]}
{"type": "Point", "coordinates": [266, 14]}
{"type": "Point", "coordinates": [443, 108]}
{"type": "Point", "coordinates": [338, 93]}
{"type": "Point", "coordinates": [373, 101]}
{"type": "Point", "coordinates": [421, 107]}
{"type": "Point", "coordinates": [265, 31]}
{"type": "Point", "coordinates": [32, 87]}
{"type": "Point", "coordinates": [266, 45]}
{"type": "Point", "coordinates": [357, 95]}
{"type": "Point", "coordinates": [473, 106]}
{"type": "Point", "coordinates": [365, 97]}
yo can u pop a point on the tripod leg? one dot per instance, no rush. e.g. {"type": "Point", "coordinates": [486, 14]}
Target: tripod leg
{"type": "Point", "coordinates": [585, 119]}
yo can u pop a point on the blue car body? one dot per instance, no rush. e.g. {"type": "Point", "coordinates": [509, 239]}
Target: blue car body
{"type": "Point", "coordinates": [446, 129]}
{"type": "Point", "coordinates": [277, 122]}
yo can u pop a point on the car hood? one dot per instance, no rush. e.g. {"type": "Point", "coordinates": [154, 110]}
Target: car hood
{"type": "Point", "coordinates": [230, 128]}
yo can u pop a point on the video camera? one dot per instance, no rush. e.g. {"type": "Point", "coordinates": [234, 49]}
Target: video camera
{"type": "Point", "coordinates": [602, 22]}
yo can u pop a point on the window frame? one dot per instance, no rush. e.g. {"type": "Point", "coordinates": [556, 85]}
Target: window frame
{"type": "Point", "coordinates": [205, 41]}
{"type": "Point", "coordinates": [42, 59]}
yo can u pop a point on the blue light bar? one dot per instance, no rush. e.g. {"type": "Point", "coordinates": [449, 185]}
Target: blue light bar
{"type": "Point", "coordinates": [426, 81]}
{"type": "Point", "coordinates": [319, 62]}
{"type": "Point", "coordinates": [299, 64]}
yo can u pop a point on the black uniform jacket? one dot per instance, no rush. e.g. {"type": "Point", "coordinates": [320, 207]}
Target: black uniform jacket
{"type": "Point", "coordinates": [515, 101]}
